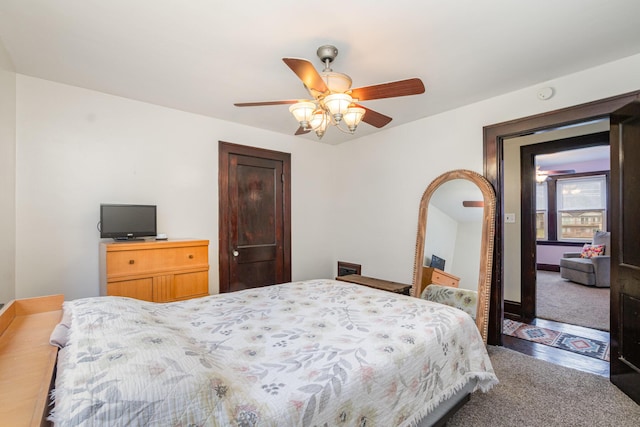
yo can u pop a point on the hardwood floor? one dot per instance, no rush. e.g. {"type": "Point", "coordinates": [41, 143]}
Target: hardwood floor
{"type": "Point", "coordinates": [558, 356]}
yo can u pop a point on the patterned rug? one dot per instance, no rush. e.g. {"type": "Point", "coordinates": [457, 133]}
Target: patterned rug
{"type": "Point", "coordinates": [585, 346]}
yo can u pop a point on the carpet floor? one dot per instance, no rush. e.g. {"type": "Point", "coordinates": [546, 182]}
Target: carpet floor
{"type": "Point", "coordinates": [567, 302]}
{"type": "Point", "coordinates": [536, 393]}
{"type": "Point", "coordinates": [562, 340]}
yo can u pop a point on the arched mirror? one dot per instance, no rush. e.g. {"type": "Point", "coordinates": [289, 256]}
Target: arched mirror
{"type": "Point", "coordinates": [454, 244]}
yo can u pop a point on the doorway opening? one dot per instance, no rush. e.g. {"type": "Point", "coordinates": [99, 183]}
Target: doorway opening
{"type": "Point", "coordinates": [493, 144]}
{"type": "Point", "coordinates": [555, 218]}
{"type": "Point", "coordinates": [539, 168]}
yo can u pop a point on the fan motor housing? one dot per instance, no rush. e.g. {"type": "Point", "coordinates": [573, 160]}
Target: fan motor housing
{"type": "Point", "coordinates": [327, 52]}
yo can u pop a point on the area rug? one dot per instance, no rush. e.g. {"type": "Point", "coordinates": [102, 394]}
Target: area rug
{"type": "Point", "coordinates": [562, 340]}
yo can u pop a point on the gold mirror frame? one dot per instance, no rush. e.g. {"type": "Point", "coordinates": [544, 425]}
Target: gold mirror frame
{"type": "Point", "coordinates": [486, 246]}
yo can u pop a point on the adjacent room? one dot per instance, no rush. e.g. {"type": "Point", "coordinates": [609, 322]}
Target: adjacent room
{"type": "Point", "coordinates": [283, 208]}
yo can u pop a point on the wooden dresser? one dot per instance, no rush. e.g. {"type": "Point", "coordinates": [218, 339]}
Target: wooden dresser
{"type": "Point", "coordinates": [158, 271]}
{"type": "Point", "coordinates": [433, 275]}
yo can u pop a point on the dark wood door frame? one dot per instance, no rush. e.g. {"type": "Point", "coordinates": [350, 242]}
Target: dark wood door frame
{"type": "Point", "coordinates": [528, 197]}
{"type": "Point", "coordinates": [493, 142]}
{"type": "Point", "coordinates": [225, 150]}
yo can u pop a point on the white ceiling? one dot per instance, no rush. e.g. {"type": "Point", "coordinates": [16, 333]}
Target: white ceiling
{"type": "Point", "coordinates": [202, 56]}
{"type": "Point", "coordinates": [565, 159]}
{"type": "Point", "coordinates": [450, 195]}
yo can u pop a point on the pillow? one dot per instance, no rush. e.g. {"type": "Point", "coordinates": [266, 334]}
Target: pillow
{"type": "Point", "coordinates": [60, 334]}
{"type": "Point", "coordinates": [589, 251]}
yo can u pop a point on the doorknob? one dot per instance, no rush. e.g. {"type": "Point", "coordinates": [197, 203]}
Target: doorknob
{"type": "Point", "coordinates": [236, 253]}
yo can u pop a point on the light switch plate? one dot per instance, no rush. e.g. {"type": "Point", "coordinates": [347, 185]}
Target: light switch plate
{"type": "Point", "coordinates": [510, 218]}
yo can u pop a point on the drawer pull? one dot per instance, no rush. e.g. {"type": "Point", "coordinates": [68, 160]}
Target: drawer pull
{"type": "Point", "coordinates": [190, 256]}
{"type": "Point", "coordinates": [132, 261]}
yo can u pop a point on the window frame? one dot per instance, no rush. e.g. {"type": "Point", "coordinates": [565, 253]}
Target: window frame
{"type": "Point", "coordinates": [553, 221]}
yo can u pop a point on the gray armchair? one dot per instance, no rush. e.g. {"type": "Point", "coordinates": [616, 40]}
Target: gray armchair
{"type": "Point", "coordinates": [594, 271]}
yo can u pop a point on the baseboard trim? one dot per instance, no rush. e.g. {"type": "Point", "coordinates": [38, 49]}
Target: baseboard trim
{"type": "Point", "coordinates": [512, 310]}
{"type": "Point", "coordinates": [548, 267]}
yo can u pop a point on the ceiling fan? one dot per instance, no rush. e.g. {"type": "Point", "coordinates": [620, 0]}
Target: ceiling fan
{"type": "Point", "coordinates": [333, 101]}
{"type": "Point", "coordinates": [543, 175]}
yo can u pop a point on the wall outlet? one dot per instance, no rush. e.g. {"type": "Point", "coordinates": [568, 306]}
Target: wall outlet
{"type": "Point", "coordinates": [510, 218]}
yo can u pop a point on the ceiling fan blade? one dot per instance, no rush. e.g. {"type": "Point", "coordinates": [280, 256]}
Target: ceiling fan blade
{"type": "Point", "coordinates": [374, 118]}
{"type": "Point", "coordinates": [389, 90]}
{"type": "Point", "coordinates": [302, 131]}
{"type": "Point", "coordinates": [307, 73]}
{"type": "Point", "coordinates": [260, 104]}
{"type": "Point", "coordinates": [473, 203]}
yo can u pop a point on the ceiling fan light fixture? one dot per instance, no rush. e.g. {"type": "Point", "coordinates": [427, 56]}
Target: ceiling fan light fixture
{"type": "Point", "coordinates": [336, 82]}
{"type": "Point", "coordinates": [353, 117]}
{"type": "Point", "coordinates": [319, 122]}
{"type": "Point", "coordinates": [333, 99]}
{"type": "Point", "coordinates": [303, 111]}
{"type": "Point", "coordinates": [540, 177]}
{"type": "Point", "coordinates": [338, 104]}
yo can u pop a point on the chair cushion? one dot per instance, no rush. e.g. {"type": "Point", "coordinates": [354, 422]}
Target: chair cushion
{"type": "Point", "coordinates": [589, 251]}
{"type": "Point", "coordinates": [581, 264]}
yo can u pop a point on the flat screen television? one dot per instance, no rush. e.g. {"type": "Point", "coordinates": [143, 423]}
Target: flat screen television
{"type": "Point", "coordinates": [127, 222]}
{"type": "Point", "coordinates": [437, 262]}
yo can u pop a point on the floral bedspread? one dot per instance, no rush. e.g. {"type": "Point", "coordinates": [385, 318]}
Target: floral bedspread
{"type": "Point", "coordinates": [310, 353]}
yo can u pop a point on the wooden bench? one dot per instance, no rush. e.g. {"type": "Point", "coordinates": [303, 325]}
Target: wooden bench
{"type": "Point", "coordinates": [372, 282]}
{"type": "Point", "coordinates": [27, 360]}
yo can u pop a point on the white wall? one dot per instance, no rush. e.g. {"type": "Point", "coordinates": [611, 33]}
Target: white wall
{"type": "Point", "coordinates": [467, 258]}
{"type": "Point", "coordinates": [383, 176]}
{"type": "Point", "coordinates": [443, 236]}
{"type": "Point", "coordinates": [355, 202]}
{"type": "Point", "coordinates": [551, 255]}
{"type": "Point", "coordinates": [77, 148]}
{"type": "Point", "coordinates": [7, 176]}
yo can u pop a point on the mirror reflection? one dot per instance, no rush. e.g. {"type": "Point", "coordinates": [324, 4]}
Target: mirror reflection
{"type": "Point", "coordinates": [454, 233]}
{"type": "Point", "coordinates": [454, 244]}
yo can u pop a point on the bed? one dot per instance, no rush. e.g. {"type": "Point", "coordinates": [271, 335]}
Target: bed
{"type": "Point", "coordinates": [310, 353]}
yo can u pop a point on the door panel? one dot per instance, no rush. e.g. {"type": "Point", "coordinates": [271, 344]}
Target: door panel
{"type": "Point", "coordinates": [256, 223]}
{"type": "Point", "coordinates": [255, 236]}
{"type": "Point", "coordinates": [625, 254]}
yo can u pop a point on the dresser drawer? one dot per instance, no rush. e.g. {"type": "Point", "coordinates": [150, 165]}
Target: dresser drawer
{"type": "Point", "coordinates": [153, 260]}
{"type": "Point", "coordinates": [441, 279]}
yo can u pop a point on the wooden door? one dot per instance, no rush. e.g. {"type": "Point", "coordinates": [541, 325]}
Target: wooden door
{"type": "Point", "coordinates": [625, 253]}
{"type": "Point", "coordinates": [255, 218]}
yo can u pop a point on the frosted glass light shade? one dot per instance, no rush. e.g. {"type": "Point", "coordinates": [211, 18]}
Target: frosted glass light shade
{"type": "Point", "coordinates": [337, 104]}
{"type": "Point", "coordinates": [319, 122]}
{"type": "Point", "coordinates": [336, 82]}
{"type": "Point", "coordinates": [353, 116]}
{"type": "Point", "coordinates": [541, 177]}
{"type": "Point", "coordinates": [303, 111]}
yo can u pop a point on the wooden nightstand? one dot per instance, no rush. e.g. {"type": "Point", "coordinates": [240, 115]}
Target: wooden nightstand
{"type": "Point", "coordinates": [385, 285]}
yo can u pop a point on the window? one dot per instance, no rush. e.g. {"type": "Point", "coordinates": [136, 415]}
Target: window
{"type": "Point", "coordinates": [570, 208]}
{"type": "Point", "coordinates": [581, 207]}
